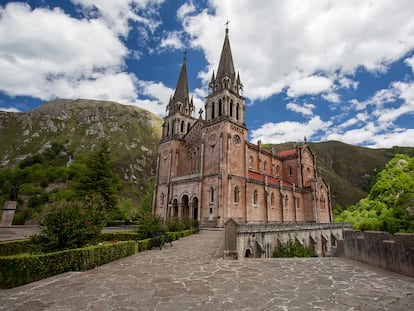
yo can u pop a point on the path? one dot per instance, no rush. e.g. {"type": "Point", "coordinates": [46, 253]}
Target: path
{"type": "Point", "coordinates": [191, 276]}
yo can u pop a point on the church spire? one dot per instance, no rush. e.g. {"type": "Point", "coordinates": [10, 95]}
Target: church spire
{"type": "Point", "coordinates": [181, 90]}
{"type": "Point", "coordinates": [226, 67]}
{"type": "Point", "coordinates": [181, 101]}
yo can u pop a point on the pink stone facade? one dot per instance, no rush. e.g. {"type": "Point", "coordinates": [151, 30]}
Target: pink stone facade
{"type": "Point", "coordinates": [207, 170]}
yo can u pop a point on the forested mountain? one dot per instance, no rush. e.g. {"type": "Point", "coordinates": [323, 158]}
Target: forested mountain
{"type": "Point", "coordinates": [41, 144]}
{"type": "Point", "coordinates": [390, 203]}
{"type": "Point", "coordinates": [44, 142]}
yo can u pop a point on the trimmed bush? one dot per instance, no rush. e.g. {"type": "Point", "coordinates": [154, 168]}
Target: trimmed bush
{"type": "Point", "coordinates": [22, 269]}
{"type": "Point", "coordinates": [10, 248]}
{"type": "Point", "coordinates": [121, 236]}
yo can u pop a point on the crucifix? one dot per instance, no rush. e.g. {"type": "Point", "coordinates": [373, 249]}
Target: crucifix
{"type": "Point", "coordinates": [227, 25]}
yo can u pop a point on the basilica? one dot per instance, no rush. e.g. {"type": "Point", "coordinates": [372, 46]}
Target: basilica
{"type": "Point", "coordinates": [208, 170]}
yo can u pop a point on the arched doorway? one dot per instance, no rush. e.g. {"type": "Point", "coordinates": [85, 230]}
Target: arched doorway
{"type": "Point", "coordinates": [186, 208]}
{"type": "Point", "coordinates": [195, 208]}
{"type": "Point", "coordinates": [175, 208]}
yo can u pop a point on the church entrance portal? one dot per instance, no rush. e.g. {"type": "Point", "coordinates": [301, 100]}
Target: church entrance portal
{"type": "Point", "coordinates": [195, 208]}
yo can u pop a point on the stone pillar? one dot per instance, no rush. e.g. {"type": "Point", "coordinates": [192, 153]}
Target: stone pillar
{"type": "Point", "coordinates": [8, 213]}
{"type": "Point", "coordinates": [230, 239]}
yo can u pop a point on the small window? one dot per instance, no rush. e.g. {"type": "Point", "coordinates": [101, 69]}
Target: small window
{"type": "Point", "coordinates": [265, 166]}
{"type": "Point", "coordinates": [236, 194]}
{"type": "Point", "coordinates": [290, 171]}
{"type": "Point", "coordinates": [277, 170]}
{"type": "Point", "coordinates": [272, 199]}
{"type": "Point", "coordinates": [162, 199]}
{"type": "Point", "coordinates": [255, 198]}
{"type": "Point", "coordinates": [211, 195]}
{"type": "Point", "coordinates": [250, 162]}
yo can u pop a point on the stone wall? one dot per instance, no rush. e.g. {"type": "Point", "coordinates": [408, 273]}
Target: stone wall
{"type": "Point", "coordinates": [7, 215]}
{"type": "Point", "coordinates": [379, 249]}
{"type": "Point", "coordinates": [259, 240]}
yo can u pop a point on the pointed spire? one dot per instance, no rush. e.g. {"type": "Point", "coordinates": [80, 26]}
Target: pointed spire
{"type": "Point", "coordinates": [226, 67]}
{"type": "Point", "coordinates": [181, 90]}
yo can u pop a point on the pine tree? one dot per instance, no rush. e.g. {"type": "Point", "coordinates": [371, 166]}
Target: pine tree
{"type": "Point", "coordinates": [99, 178]}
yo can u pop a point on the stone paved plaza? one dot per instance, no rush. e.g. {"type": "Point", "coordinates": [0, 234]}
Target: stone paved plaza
{"type": "Point", "coordinates": [190, 275]}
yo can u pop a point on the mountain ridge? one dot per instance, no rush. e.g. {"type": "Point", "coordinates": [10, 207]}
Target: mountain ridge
{"type": "Point", "coordinates": [134, 133]}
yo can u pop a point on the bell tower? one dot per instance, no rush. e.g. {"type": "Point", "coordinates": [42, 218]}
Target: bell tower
{"type": "Point", "coordinates": [179, 118]}
{"type": "Point", "coordinates": [225, 100]}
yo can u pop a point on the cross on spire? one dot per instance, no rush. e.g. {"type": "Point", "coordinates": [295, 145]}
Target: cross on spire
{"type": "Point", "coordinates": [227, 25]}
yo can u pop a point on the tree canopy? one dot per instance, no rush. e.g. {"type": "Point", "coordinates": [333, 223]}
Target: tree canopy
{"type": "Point", "coordinates": [390, 203]}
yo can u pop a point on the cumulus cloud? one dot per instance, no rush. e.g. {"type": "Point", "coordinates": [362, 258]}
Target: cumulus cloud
{"type": "Point", "coordinates": [9, 109]}
{"type": "Point", "coordinates": [172, 40]}
{"type": "Point", "coordinates": [306, 109]}
{"type": "Point", "coordinates": [289, 130]}
{"type": "Point", "coordinates": [43, 56]}
{"type": "Point", "coordinates": [287, 44]}
{"type": "Point", "coordinates": [117, 14]}
{"type": "Point", "coordinates": [309, 86]}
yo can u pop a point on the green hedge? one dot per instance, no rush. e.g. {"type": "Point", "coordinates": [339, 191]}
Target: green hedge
{"type": "Point", "coordinates": [22, 269]}
{"type": "Point", "coordinates": [121, 236]}
{"type": "Point", "coordinates": [10, 248]}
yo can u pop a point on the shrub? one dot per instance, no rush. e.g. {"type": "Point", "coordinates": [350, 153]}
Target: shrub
{"type": "Point", "coordinates": [292, 249]}
{"type": "Point", "coordinates": [148, 223]}
{"type": "Point", "coordinates": [9, 248]}
{"type": "Point", "coordinates": [70, 224]}
{"type": "Point", "coordinates": [23, 269]}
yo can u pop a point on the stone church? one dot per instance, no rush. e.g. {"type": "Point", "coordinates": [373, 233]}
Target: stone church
{"type": "Point", "coordinates": [207, 170]}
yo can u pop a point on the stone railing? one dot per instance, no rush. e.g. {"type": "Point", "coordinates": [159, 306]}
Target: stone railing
{"type": "Point", "coordinates": [394, 253]}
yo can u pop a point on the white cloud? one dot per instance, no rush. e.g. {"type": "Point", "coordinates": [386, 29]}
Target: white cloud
{"type": "Point", "coordinates": [185, 9]}
{"type": "Point", "coordinates": [309, 86]}
{"type": "Point", "coordinates": [12, 109]}
{"type": "Point", "coordinates": [118, 13]}
{"type": "Point", "coordinates": [306, 109]}
{"type": "Point", "coordinates": [410, 62]}
{"type": "Point", "coordinates": [332, 97]}
{"type": "Point", "coordinates": [289, 131]}
{"type": "Point", "coordinates": [172, 40]}
{"type": "Point", "coordinates": [42, 56]}
{"type": "Point", "coordinates": [281, 44]}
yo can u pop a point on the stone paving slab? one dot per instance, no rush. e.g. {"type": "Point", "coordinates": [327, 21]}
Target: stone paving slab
{"type": "Point", "coordinates": [190, 275]}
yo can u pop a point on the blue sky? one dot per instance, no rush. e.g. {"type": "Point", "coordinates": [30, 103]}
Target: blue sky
{"type": "Point", "coordinates": [327, 70]}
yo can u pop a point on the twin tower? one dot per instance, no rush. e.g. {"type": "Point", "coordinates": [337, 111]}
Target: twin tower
{"type": "Point", "coordinates": [208, 171]}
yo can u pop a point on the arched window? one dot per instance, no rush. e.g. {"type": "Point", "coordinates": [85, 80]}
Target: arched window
{"type": "Point", "coordinates": [182, 126]}
{"type": "Point", "coordinates": [231, 108]}
{"type": "Point", "coordinates": [272, 199]}
{"type": "Point", "coordinates": [162, 199]}
{"type": "Point", "coordinates": [286, 201]}
{"type": "Point", "coordinates": [188, 127]}
{"type": "Point", "coordinates": [237, 111]}
{"type": "Point", "coordinates": [265, 166]}
{"type": "Point", "coordinates": [308, 173]}
{"type": "Point", "coordinates": [290, 171]}
{"type": "Point", "coordinates": [236, 194]}
{"type": "Point", "coordinates": [213, 106]}
{"type": "Point", "coordinates": [220, 108]}
{"type": "Point", "coordinates": [211, 194]}
{"type": "Point", "coordinates": [277, 170]}
{"type": "Point", "coordinates": [255, 198]}
{"type": "Point", "coordinates": [168, 129]}
{"type": "Point", "coordinates": [250, 162]}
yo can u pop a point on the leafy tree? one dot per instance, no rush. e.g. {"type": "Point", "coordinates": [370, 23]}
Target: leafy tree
{"type": "Point", "coordinates": [292, 249]}
{"type": "Point", "coordinates": [390, 203]}
{"type": "Point", "coordinates": [71, 224]}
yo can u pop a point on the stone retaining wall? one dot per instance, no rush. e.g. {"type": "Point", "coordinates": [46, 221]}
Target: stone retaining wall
{"type": "Point", "coordinates": [379, 249]}
{"type": "Point", "coordinates": [259, 240]}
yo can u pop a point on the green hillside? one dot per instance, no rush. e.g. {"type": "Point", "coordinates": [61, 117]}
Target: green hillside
{"type": "Point", "coordinates": [65, 131]}
{"type": "Point", "coordinates": [79, 127]}
{"type": "Point", "coordinates": [390, 203]}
